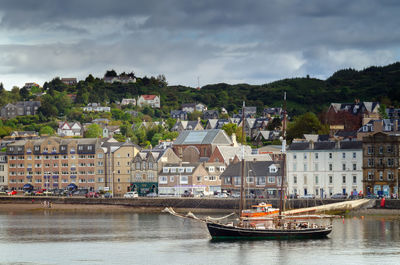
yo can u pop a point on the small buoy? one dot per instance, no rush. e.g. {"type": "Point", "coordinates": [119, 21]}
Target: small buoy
{"type": "Point", "coordinates": [343, 220]}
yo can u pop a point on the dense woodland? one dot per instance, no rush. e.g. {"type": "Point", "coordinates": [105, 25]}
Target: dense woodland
{"type": "Point", "coordinates": [303, 95]}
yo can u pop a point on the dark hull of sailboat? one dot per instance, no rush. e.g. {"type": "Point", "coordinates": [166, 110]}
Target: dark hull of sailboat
{"type": "Point", "coordinates": [220, 231]}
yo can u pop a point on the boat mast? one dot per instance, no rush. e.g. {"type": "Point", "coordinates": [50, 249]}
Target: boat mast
{"type": "Point", "coordinates": [283, 155]}
{"type": "Point", "coordinates": [242, 199]}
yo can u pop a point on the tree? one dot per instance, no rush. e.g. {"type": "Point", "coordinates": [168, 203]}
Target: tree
{"type": "Point", "coordinates": [229, 128]}
{"type": "Point", "coordinates": [94, 131]}
{"type": "Point", "coordinates": [46, 130]}
{"type": "Point", "coordinates": [382, 111]}
{"type": "Point", "coordinates": [307, 123]}
{"type": "Point", "coordinates": [275, 123]}
{"type": "Point", "coordinates": [111, 73]}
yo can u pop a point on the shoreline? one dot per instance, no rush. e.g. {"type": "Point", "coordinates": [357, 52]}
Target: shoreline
{"type": "Point", "coordinates": [34, 207]}
{"type": "Point", "coordinates": [74, 207]}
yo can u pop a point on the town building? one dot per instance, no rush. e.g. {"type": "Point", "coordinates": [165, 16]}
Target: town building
{"type": "Point", "coordinates": [31, 85]}
{"type": "Point", "coordinates": [3, 171]}
{"type": "Point", "coordinates": [146, 166]}
{"type": "Point", "coordinates": [124, 79]}
{"type": "Point", "coordinates": [179, 114]}
{"type": "Point", "coordinates": [20, 135]}
{"type": "Point", "coordinates": [261, 178]}
{"type": "Point", "coordinates": [69, 129]}
{"type": "Point", "coordinates": [52, 163]}
{"type": "Point", "coordinates": [388, 126]}
{"type": "Point", "coordinates": [182, 125]}
{"type": "Point", "coordinates": [178, 178]}
{"type": "Point", "coordinates": [381, 164]}
{"type": "Point", "coordinates": [152, 101]}
{"type": "Point", "coordinates": [69, 81]}
{"type": "Point", "coordinates": [351, 116]}
{"type": "Point", "coordinates": [324, 168]}
{"type": "Point", "coordinates": [20, 108]}
{"type": "Point", "coordinates": [127, 101]}
{"type": "Point", "coordinates": [191, 107]}
{"type": "Point", "coordinates": [199, 145]}
{"type": "Point", "coordinates": [96, 107]}
{"type": "Point", "coordinates": [210, 114]}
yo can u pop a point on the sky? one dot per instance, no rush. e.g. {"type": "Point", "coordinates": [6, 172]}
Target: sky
{"type": "Point", "coordinates": [195, 42]}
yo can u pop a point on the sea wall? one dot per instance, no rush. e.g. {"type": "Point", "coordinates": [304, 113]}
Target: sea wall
{"type": "Point", "coordinates": [205, 203]}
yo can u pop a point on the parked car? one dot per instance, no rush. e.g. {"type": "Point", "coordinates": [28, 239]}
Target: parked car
{"type": "Point", "coordinates": [12, 192]}
{"type": "Point", "coordinates": [131, 194]}
{"type": "Point", "coordinates": [107, 195]}
{"type": "Point", "coordinates": [152, 194]}
{"type": "Point", "coordinates": [221, 195]}
{"type": "Point", "coordinates": [92, 194]}
{"type": "Point", "coordinates": [307, 196]}
{"type": "Point", "coordinates": [48, 193]}
{"type": "Point", "coordinates": [3, 192]}
{"type": "Point", "coordinates": [81, 192]}
{"type": "Point", "coordinates": [59, 192]}
{"type": "Point", "coordinates": [187, 193]}
{"type": "Point", "coordinates": [338, 196]}
{"type": "Point", "coordinates": [29, 193]}
{"type": "Point", "coordinates": [235, 195]}
{"type": "Point", "coordinates": [39, 192]}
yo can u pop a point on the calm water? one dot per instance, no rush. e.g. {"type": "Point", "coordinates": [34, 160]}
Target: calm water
{"type": "Point", "coordinates": [132, 238]}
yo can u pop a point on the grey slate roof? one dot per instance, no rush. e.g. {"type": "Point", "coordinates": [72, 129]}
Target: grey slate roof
{"type": "Point", "coordinates": [212, 136]}
{"type": "Point", "coordinates": [259, 168]}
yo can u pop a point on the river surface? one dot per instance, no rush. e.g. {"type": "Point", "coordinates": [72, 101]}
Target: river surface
{"type": "Point", "coordinates": [47, 237]}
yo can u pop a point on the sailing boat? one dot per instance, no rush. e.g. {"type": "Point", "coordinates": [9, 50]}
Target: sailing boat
{"type": "Point", "coordinates": [264, 227]}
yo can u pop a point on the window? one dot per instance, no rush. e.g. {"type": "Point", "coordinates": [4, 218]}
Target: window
{"type": "Point", "coordinates": [305, 156]}
{"type": "Point", "coordinates": [189, 170]}
{"type": "Point", "coordinates": [370, 150]}
{"type": "Point", "coordinates": [184, 180]}
{"type": "Point", "coordinates": [90, 147]}
{"type": "Point", "coordinates": [100, 163]}
{"type": "Point", "coordinates": [370, 175]}
{"type": "Point", "coordinates": [354, 166]}
{"type": "Point", "coordinates": [249, 179]}
{"type": "Point", "coordinates": [330, 155]}
{"type": "Point", "coordinates": [316, 180]}
{"type": "Point", "coordinates": [294, 156]}
{"type": "Point", "coordinates": [173, 169]}
{"type": "Point", "coordinates": [199, 178]}
{"type": "Point", "coordinates": [380, 149]}
{"type": "Point", "coordinates": [80, 147]}
{"type": "Point", "coordinates": [390, 175]}
{"type": "Point", "coordinates": [271, 179]}
{"type": "Point", "coordinates": [343, 155]}
{"type": "Point", "coordinates": [165, 170]}
{"type": "Point", "coordinates": [294, 179]}
{"type": "Point", "coordinates": [354, 155]}
{"type": "Point", "coordinates": [150, 165]}
{"type": "Point", "coordinates": [305, 179]}
{"type": "Point", "coordinates": [343, 179]}
{"type": "Point", "coordinates": [260, 180]}
{"type": "Point", "coordinates": [99, 155]}
{"type": "Point", "coordinates": [211, 169]}
{"type": "Point", "coordinates": [294, 167]}
{"type": "Point", "coordinates": [316, 155]}
{"type": "Point", "coordinates": [236, 180]}
{"type": "Point", "coordinates": [138, 165]}
{"type": "Point", "coordinates": [389, 149]}
{"type": "Point", "coordinates": [380, 175]}
{"type": "Point", "coordinates": [305, 167]}
{"type": "Point", "coordinates": [228, 180]}
{"type": "Point", "coordinates": [370, 162]}
{"type": "Point", "coordinates": [316, 167]}
{"type": "Point", "coordinates": [354, 179]}
{"type": "Point", "coordinates": [143, 164]}
{"type": "Point", "coordinates": [390, 162]}
{"type": "Point", "coordinates": [343, 167]}
{"type": "Point", "coordinates": [171, 179]}
{"type": "Point", "coordinates": [181, 170]}
{"type": "Point", "coordinates": [330, 179]}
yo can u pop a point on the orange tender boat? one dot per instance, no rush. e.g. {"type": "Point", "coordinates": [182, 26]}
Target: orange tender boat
{"type": "Point", "coordinates": [260, 210]}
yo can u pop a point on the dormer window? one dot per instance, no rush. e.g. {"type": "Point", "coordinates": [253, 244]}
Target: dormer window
{"type": "Point", "coordinates": [273, 169]}
{"type": "Point", "coordinates": [165, 170]}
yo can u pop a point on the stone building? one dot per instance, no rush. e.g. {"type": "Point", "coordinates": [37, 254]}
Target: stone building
{"type": "Point", "coordinates": [19, 108]}
{"type": "Point", "coordinates": [3, 171]}
{"type": "Point", "coordinates": [381, 164]}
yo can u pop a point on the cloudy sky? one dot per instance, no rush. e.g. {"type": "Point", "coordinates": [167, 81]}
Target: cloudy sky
{"type": "Point", "coordinates": [231, 41]}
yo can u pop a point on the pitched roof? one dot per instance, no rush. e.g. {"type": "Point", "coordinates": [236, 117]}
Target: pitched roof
{"type": "Point", "coordinates": [258, 168]}
{"type": "Point", "coordinates": [212, 136]}
{"type": "Point", "coordinates": [148, 97]}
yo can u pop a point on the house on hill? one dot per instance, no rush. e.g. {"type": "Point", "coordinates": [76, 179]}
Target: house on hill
{"type": "Point", "coordinates": [69, 129]}
{"type": "Point", "coordinates": [150, 100]}
{"type": "Point", "coordinates": [20, 108]}
{"type": "Point", "coordinates": [351, 116]}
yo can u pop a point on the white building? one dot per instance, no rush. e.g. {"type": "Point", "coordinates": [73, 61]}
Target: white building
{"type": "Point", "coordinates": [324, 168]}
{"type": "Point", "coordinates": [127, 101]}
{"type": "Point", "coordinates": [69, 129]}
{"type": "Point", "coordinates": [152, 101]}
{"type": "Point", "coordinates": [96, 107]}
{"type": "Point", "coordinates": [3, 170]}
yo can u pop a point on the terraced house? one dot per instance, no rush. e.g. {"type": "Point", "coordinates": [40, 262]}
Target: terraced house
{"type": "Point", "coordinates": [145, 169]}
